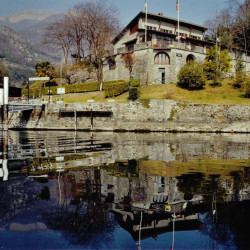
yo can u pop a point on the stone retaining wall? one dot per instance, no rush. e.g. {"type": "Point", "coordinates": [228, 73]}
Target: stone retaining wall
{"type": "Point", "coordinates": [153, 115]}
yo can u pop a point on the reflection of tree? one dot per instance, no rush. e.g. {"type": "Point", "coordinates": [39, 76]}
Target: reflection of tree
{"type": "Point", "coordinates": [84, 223]}
{"type": "Point", "coordinates": [238, 184]}
{"type": "Point", "coordinates": [231, 226]}
{"type": "Point", "coordinates": [197, 184]}
{"type": "Point", "coordinates": [191, 183]}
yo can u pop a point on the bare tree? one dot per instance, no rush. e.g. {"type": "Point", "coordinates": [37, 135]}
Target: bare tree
{"type": "Point", "coordinates": [89, 29]}
{"type": "Point", "coordinates": [77, 31]}
{"type": "Point", "coordinates": [129, 61]}
{"type": "Point", "coordinates": [220, 28]}
{"type": "Point", "coordinates": [59, 35]}
{"type": "Point", "coordinates": [100, 25]}
{"type": "Point", "coordinates": [241, 26]}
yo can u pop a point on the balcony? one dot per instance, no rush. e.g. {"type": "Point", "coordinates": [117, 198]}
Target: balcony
{"type": "Point", "coordinates": [162, 46]}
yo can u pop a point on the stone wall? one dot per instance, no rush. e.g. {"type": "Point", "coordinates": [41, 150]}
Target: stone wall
{"type": "Point", "coordinates": [147, 70]}
{"type": "Point", "coordinates": [153, 115]}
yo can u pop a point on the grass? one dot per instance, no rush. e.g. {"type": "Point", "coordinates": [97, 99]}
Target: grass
{"type": "Point", "coordinates": [84, 97]}
{"type": "Point", "coordinates": [205, 166]}
{"type": "Point", "coordinates": [224, 95]}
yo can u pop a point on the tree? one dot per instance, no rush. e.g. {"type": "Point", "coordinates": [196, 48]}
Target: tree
{"type": "Point", "coordinates": [45, 69]}
{"type": "Point", "coordinates": [129, 62]}
{"type": "Point", "coordinates": [216, 63]}
{"type": "Point", "coordinates": [100, 24]}
{"type": "Point", "coordinates": [191, 76]}
{"type": "Point", "coordinates": [241, 26]}
{"type": "Point", "coordinates": [240, 74]}
{"type": "Point", "coordinates": [3, 72]}
{"type": "Point", "coordinates": [59, 35]}
{"type": "Point", "coordinates": [87, 31]}
{"type": "Point", "coordinates": [220, 28]}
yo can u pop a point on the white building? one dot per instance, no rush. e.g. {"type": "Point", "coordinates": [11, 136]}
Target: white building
{"type": "Point", "coordinates": [158, 59]}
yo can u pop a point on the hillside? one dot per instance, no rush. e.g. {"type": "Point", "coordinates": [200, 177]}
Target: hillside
{"type": "Point", "coordinates": [22, 20]}
{"type": "Point", "coordinates": [31, 24]}
{"type": "Point", "coordinates": [19, 55]}
{"type": "Point", "coordinates": [34, 32]}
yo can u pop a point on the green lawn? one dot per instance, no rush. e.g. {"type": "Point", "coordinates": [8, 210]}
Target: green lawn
{"type": "Point", "coordinates": [225, 95]}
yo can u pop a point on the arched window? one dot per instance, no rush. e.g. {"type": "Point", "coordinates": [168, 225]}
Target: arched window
{"type": "Point", "coordinates": [162, 58]}
{"type": "Point", "coordinates": [191, 58]}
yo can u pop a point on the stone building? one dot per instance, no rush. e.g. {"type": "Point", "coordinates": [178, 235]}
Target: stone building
{"type": "Point", "coordinates": [160, 58]}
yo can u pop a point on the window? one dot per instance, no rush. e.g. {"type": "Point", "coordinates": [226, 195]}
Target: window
{"type": "Point", "coordinates": [111, 63]}
{"type": "Point", "coordinates": [162, 58]}
{"type": "Point", "coordinates": [164, 38]}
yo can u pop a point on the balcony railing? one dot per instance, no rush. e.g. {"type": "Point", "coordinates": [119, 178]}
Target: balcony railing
{"type": "Point", "coordinates": [161, 46]}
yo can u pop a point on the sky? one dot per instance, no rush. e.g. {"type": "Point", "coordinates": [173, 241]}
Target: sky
{"type": "Point", "coordinates": [196, 11]}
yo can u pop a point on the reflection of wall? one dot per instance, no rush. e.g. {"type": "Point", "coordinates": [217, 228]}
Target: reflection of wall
{"type": "Point", "coordinates": [125, 146]}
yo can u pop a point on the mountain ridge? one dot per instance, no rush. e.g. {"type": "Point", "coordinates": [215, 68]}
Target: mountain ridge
{"type": "Point", "coordinates": [21, 41]}
{"type": "Point", "coordinates": [19, 56]}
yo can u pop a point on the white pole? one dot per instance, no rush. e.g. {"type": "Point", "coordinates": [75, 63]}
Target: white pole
{"type": "Point", "coordinates": [5, 170]}
{"type": "Point", "coordinates": [6, 90]}
{"type": "Point", "coordinates": [146, 19]}
{"type": "Point", "coordinates": [178, 20]}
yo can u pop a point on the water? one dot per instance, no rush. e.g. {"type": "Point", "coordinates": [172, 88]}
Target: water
{"type": "Point", "coordinates": [67, 190]}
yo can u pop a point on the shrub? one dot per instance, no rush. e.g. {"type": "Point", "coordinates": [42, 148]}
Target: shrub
{"type": "Point", "coordinates": [82, 87]}
{"type": "Point", "coordinates": [135, 83]}
{"type": "Point", "coordinates": [240, 75]}
{"type": "Point", "coordinates": [246, 87]}
{"type": "Point", "coordinates": [240, 79]}
{"type": "Point", "coordinates": [115, 88]}
{"type": "Point", "coordinates": [191, 76]}
{"type": "Point", "coordinates": [134, 93]}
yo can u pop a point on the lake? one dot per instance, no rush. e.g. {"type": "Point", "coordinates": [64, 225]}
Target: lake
{"type": "Point", "coordinates": [82, 190]}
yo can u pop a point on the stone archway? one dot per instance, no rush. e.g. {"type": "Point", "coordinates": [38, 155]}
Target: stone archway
{"type": "Point", "coordinates": [190, 58]}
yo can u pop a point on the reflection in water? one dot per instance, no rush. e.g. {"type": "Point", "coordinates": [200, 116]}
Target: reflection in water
{"type": "Point", "coordinates": [67, 190]}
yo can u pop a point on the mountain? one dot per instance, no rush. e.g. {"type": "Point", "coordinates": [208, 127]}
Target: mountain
{"type": "Point", "coordinates": [24, 19]}
{"type": "Point", "coordinates": [32, 24]}
{"type": "Point", "coordinates": [21, 36]}
{"type": "Point", "coordinates": [34, 33]}
{"type": "Point", "coordinates": [19, 56]}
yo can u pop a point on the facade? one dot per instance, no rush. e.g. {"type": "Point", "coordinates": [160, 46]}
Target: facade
{"type": "Point", "coordinates": [159, 59]}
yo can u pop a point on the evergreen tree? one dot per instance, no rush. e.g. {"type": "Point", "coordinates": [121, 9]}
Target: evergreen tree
{"type": "Point", "coordinates": [217, 63]}
{"type": "Point", "coordinates": [45, 69]}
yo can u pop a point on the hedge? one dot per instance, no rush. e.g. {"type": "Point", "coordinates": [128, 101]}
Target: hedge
{"type": "Point", "coordinates": [111, 88]}
{"type": "Point", "coordinates": [134, 93]}
{"type": "Point", "coordinates": [115, 88]}
{"type": "Point", "coordinates": [82, 87]}
{"type": "Point", "coordinates": [135, 83]}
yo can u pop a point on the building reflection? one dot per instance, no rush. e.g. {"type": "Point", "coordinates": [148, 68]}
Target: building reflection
{"type": "Point", "coordinates": [145, 205]}
{"type": "Point", "coordinates": [88, 204]}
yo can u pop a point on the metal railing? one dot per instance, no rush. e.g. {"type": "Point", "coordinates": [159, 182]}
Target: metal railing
{"type": "Point", "coordinates": [170, 45]}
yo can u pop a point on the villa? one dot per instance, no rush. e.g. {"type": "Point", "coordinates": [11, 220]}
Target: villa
{"type": "Point", "coordinates": [159, 54]}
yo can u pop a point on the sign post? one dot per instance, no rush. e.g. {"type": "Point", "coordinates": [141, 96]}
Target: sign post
{"type": "Point", "coordinates": [36, 79]}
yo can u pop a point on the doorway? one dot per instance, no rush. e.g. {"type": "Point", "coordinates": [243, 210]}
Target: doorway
{"type": "Point", "coordinates": [162, 76]}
